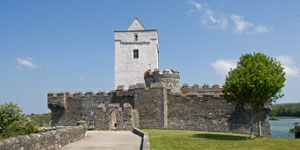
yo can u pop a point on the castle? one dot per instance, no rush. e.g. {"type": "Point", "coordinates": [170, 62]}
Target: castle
{"type": "Point", "coordinates": [146, 97]}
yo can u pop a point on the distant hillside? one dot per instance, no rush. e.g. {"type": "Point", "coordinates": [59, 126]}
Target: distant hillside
{"type": "Point", "coordinates": [291, 110]}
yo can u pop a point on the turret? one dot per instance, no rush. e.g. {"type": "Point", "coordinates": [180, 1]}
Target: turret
{"type": "Point", "coordinates": [169, 79]}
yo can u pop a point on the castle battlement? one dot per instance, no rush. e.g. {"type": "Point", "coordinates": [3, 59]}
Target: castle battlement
{"type": "Point", "coordinates": [77, 94]}
{"type": "Point", "coordinates": [205, 89]}
{"type": "Point", "coordinates": [165, 73]}
{"type": "Point", "coordinates": [205, 86]}
{"type": "Point", "coordinates": [186, 90]}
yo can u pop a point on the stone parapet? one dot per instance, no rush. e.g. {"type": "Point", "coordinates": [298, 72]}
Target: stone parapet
{"type": "Point", "coordinates": [51, 139]}
{"type": "Point", "coordinates": [203, 90]}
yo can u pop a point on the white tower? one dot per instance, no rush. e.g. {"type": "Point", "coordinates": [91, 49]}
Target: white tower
{"type": "Point", "coordinates": [136, 50]}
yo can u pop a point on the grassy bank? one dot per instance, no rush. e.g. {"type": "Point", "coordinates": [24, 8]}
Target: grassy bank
{"type": "Point", "coordinates": [198, 140]}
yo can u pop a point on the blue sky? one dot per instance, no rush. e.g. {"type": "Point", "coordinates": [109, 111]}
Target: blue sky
{"type": "Point", "coordinates": [53, 46]}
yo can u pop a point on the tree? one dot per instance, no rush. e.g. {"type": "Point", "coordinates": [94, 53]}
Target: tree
{"type": "Point", "coordinates": [257, 80]}
{"type": "Point", "coordinates": [13, 123]}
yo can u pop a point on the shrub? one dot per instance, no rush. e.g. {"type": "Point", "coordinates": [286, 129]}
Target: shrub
{"type": "Point", "coordinates": [13, 123]}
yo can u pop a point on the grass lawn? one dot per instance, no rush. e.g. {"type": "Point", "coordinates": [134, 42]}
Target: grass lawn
{"type": "Point", "coordinates": [161, 139]}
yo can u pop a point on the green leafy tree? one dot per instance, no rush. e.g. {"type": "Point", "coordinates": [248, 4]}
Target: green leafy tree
{"type": "Point", "coordinates": [13, 123]}
{"type": "Point", "coordinates": [291, 110]}
{"type": "Point", "coordinates": [257, 80]}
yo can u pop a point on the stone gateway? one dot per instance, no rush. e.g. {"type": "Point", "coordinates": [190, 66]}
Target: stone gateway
{"type": "Point", "coordinates": [149, 97]}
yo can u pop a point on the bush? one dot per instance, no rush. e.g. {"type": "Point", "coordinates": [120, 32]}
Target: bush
{"type": "Point", "coordinates": [13, 123]}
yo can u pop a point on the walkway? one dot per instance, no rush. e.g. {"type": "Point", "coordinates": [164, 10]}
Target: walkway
{"type": "Point", "coordinates": [106, 140]}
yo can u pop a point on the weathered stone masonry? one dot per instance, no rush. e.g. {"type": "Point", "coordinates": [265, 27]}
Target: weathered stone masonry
{"type": "Point", "coordinates": [48, 140]}
{"type": "Point", "coordinates": [154, 105]}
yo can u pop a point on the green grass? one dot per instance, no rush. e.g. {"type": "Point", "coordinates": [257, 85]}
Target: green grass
{"type": "Point", "coordinates": [161, 139]}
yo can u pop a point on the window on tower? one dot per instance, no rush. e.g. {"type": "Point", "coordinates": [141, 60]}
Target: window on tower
{"type": "Point", "coordinates": [136, 37]}
{"type": "Point", "coordinates": [135, 53]}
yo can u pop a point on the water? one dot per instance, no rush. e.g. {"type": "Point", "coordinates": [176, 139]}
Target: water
{"type": "Point", "coordinates": [281, 128]}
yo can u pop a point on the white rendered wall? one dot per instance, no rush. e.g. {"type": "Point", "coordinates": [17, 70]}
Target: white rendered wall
{"type": "Point", "coordinates": [129, 70]}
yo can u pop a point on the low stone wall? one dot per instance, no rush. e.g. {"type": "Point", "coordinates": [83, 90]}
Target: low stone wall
{"type": "Point", "coordinates": [53, 139]}
{"type": "Point", "coordinates": [145, 145]}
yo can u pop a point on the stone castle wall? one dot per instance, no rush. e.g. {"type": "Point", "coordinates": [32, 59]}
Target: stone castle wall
{"type": "Point", "coordinates": [68, 108]}
{"type": "Point", "coordinates": [210, 113]}
{"type": "Point", "coordinates": [150, 104]}
{"type": "Point", "coordinates": [155, 106]}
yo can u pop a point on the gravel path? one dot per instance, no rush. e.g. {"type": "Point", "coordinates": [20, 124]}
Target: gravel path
{"type": "Point", "coordinates": [107, 140]}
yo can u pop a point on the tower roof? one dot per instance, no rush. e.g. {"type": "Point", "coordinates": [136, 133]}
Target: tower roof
{"type": "Point", "coordinates": [136, 25]}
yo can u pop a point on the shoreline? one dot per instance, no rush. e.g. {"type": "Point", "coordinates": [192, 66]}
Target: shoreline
{"type": "Point", "coordinates": [283, 117]}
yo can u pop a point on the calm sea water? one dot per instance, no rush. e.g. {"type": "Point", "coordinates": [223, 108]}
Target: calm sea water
{"type": "Point", "coordinates": [280, 128]}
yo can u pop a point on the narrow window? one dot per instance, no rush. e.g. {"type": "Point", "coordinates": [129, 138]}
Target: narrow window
{"type": "Point", "coordinates": [136, 37]}
{"type": "Point", "coordinates": [135, 53]}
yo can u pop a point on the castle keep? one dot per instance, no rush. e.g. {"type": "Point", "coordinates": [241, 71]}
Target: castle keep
{"type": "Point", "coordinates": [136, 50]}
{"type": "Point", "coordinates": [154, 101]}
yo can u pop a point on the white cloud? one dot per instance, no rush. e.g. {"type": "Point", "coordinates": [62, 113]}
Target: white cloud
{"type": "Point", "coordinates": [286, 60]}
{"type": "Point", "coordinates": [82, 78]}
{"type": "Point", "coordinates": [289, 65]}
{"type": "Point", "coordinates": [213, 19]}
{"type": "Point", "coordinates": [262, 29]}
{"type": "Point", "coordinates": [240, 24]}
{"type": "Point", "coordinates": [208, 16]}
{"type": "Point", "coordinates": [196, 4]}
{"type": "Point", "coordinates": [223, 66]}
{"type": "Point", "coordinates": [26, 62]}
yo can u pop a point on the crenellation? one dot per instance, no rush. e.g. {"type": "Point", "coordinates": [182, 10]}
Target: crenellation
{"type": "Point", "coordinates": [185, 85]}
{"type": "Point", "coordinates": [205, 85]}
{"type": "Point", "coordinates": [60, 94]}
{"type": "Point", "coordinates": [196, 85]}
{"type": "Point", "coordinates": [77, 94]}
{"type": "Point", "coordinates": [214, 90]}
{"type": "Point", "coordinates": [166, 71]}
{"type": "Point", "coordinates": [140, 86]}
{"type": "Point", "coordinates": [51, 94]}
{"type": "Point", "coordinates": [89, 93]}
{"type": "Point", "coordinates": [101, 93]}
{"type": "Point", "coordinates": [131, 87]}
{"type": "Point", "coordinates": [114, 105]}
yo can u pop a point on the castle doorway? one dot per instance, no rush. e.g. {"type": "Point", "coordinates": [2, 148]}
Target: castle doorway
{"type": "Point", "coordinates": [113, 121]}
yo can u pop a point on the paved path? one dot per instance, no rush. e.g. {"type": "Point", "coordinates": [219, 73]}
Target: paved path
{"type": "Point", "coordinates": [106, 140]}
